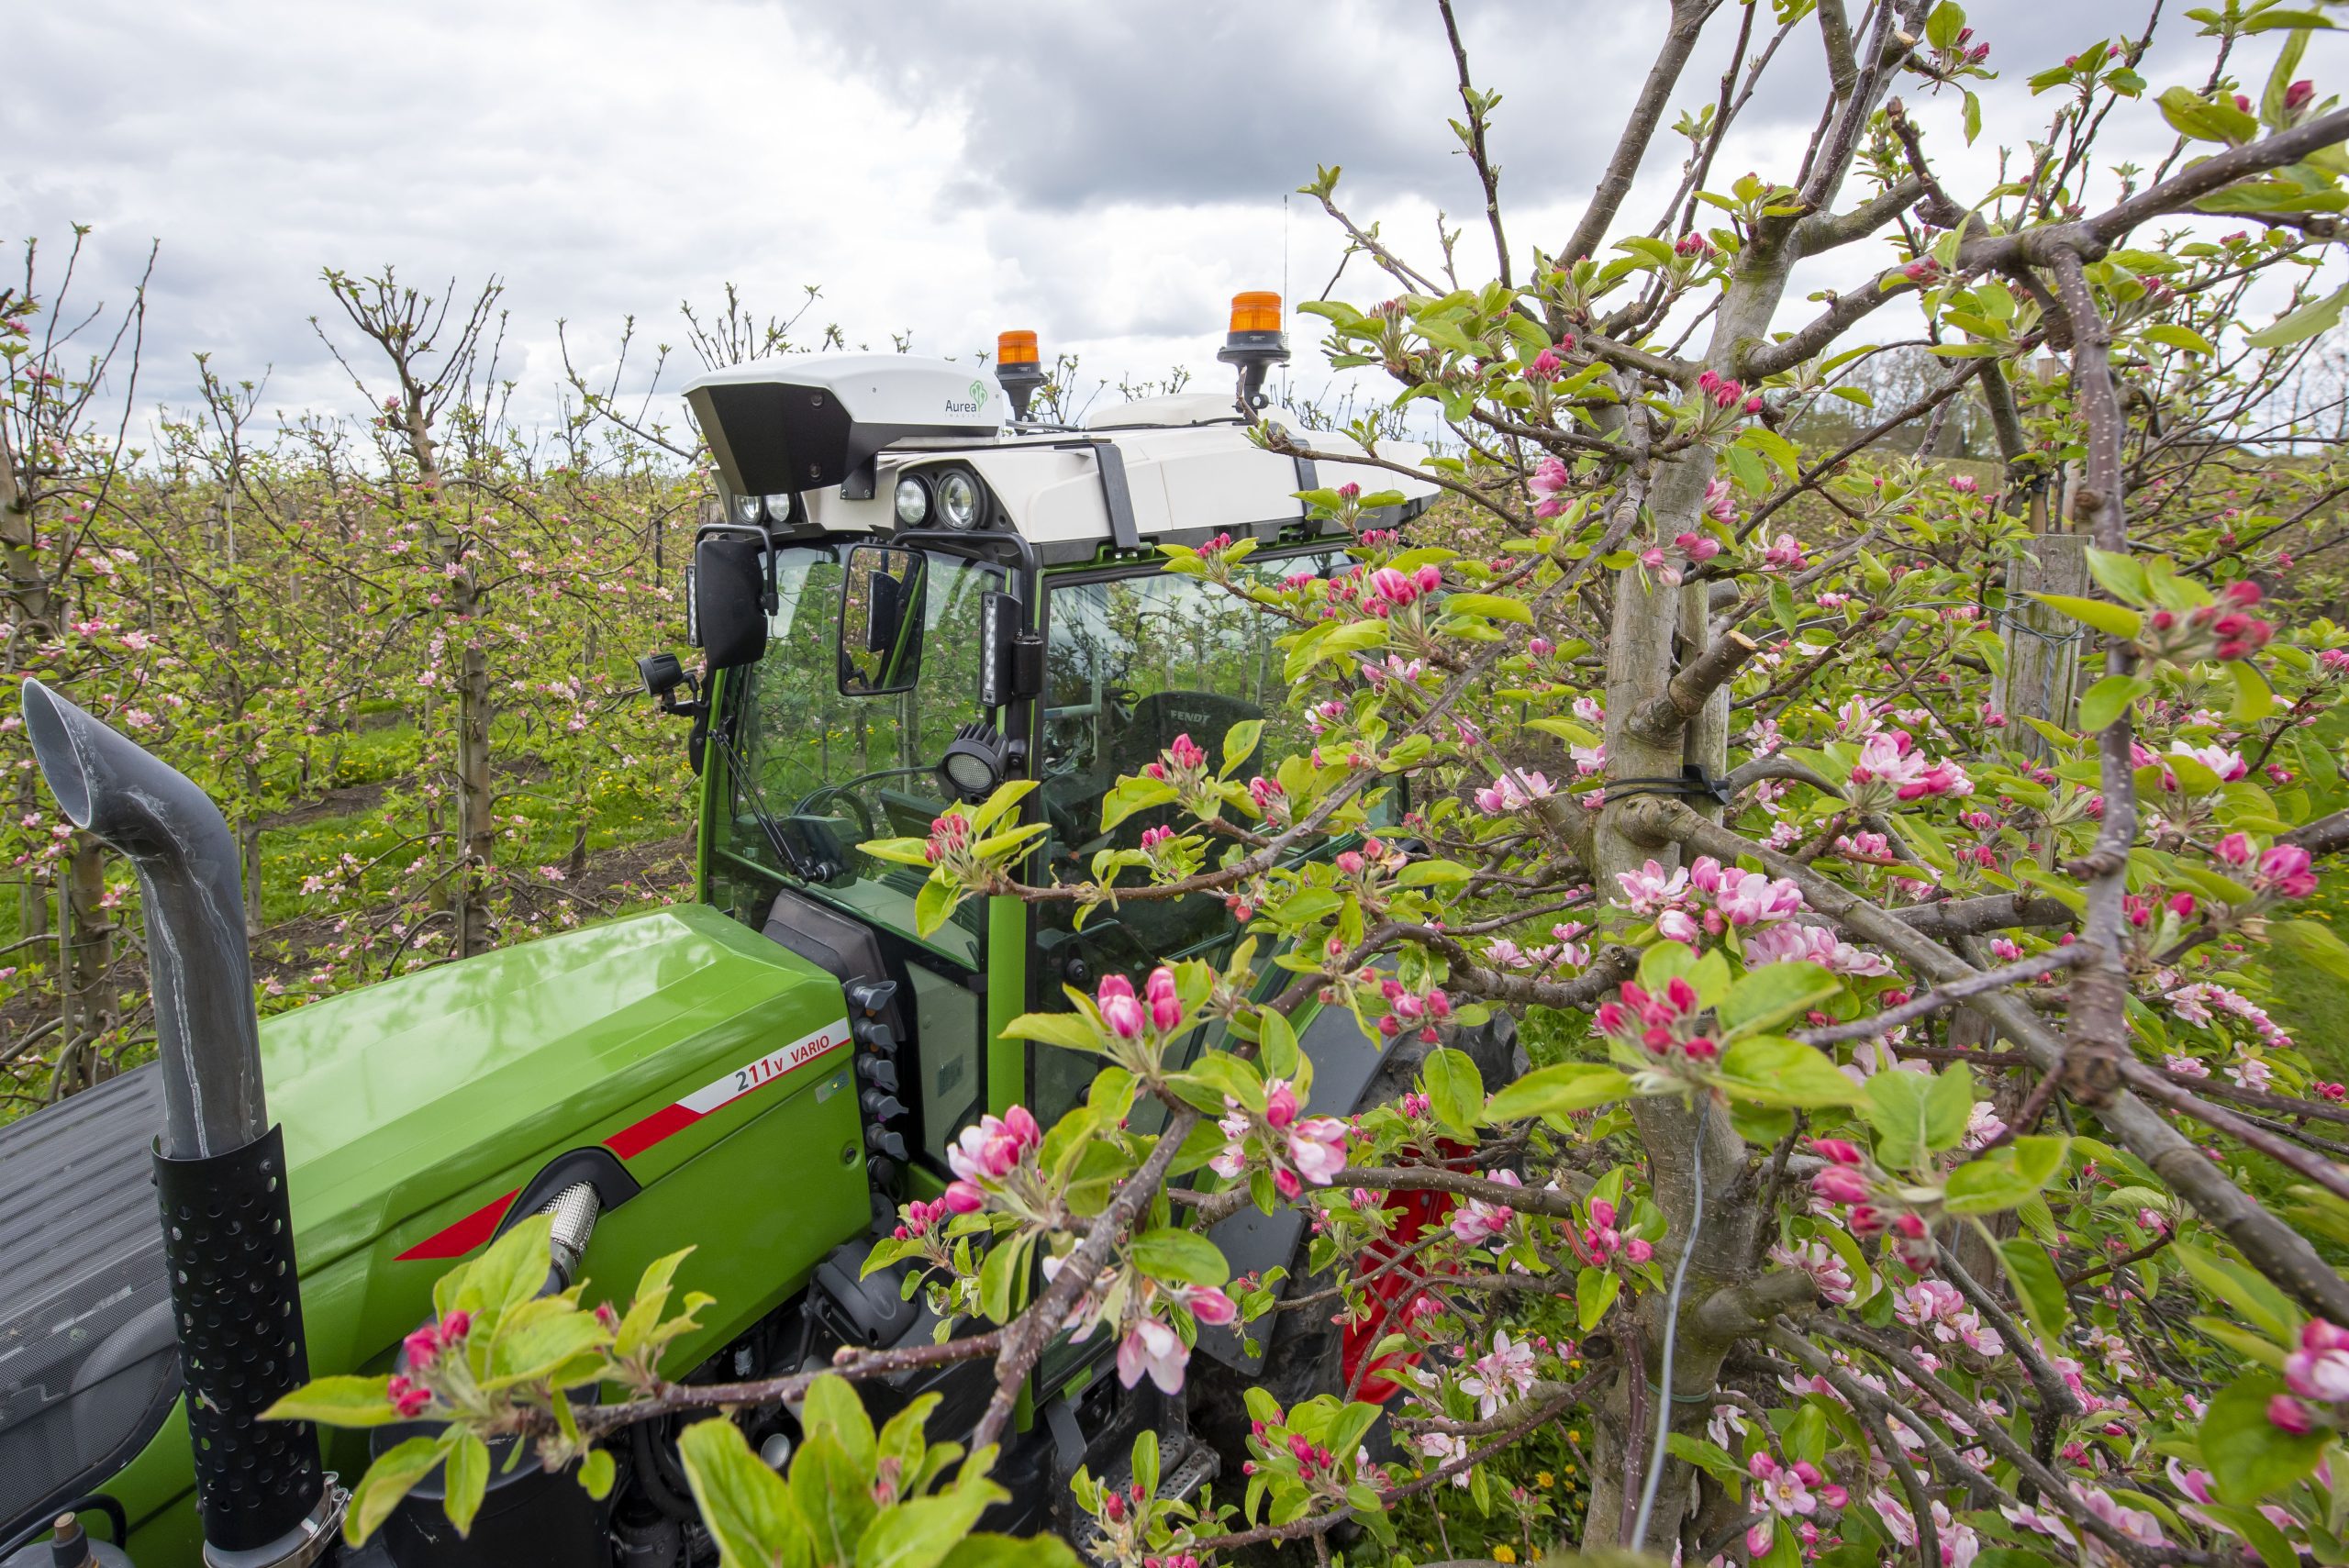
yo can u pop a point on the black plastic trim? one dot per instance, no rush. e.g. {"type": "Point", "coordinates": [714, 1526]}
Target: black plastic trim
{"type": "Point", "coordinates": [599, 1168]}
{"type": "Point", "coordinates": [1117, 496]}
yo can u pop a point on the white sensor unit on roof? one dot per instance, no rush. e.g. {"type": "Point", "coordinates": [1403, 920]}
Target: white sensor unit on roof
{"type": "Point", "coordinates": [805, 422]}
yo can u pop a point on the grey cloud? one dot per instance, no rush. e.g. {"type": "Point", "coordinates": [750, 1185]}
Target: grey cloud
{"type": "Point", "coordinates": [1106, 173]}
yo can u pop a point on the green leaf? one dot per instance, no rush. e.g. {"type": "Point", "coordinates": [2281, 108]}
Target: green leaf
{"type": "Point", "coordinates": [2004, 1177]}
{"type": "Point", "coordinates": [1554, 1091]}
{"type": "Point", "coordinates": [1455, 1089]}
{"type": "Point", "coordinates": [834, 1495]}
{"type": "Point", "coordinates": [1772, 1070]}
{"type": "Point", "coordinates": [2317, 316]}
{"type": "Point", "coordinates": [1774, 993]}
{"type": "Point", "coordinates": [1947, 20]}
{"type": "Point", "coordinates": [391, 1477]}
{"type": "Point", "coordinates": [467, 1479]}
{"type": "Point", "coordinates": [1492, 606]}
{"type": "Point", "coordinates": [2254, 699]}
{"type": "Point", "coordinates": [1709, 1457]}
{"type": "Point", "coordinates": [1973, 110]}
{"type": "Point", "coordinates": [2206, 119]}
{"type": "Point", "coordinates": [1129, 795]}
{"type": "Point", "coordinates": [2123, 576]}
{"type": "Point", "coordinates": [1181, 1257]}
{"type": "Point", "coordinates": [511, 1272]}
{"type": "Point", "coordinates": [2240, 1292]}
{"type": "Point", "coordinates": [1070, 1031]}
{"type": "Point", "coordinates": [1428, 874]}
{"type": "Point", "coordinates": [2251, 1458]}
{"type": "Point", "coordinates": [2116, 620]}
{"type": "Point", "coordinates": [1240, 744]}
{"type": "Point", "coordinates": [2280, 78]}
{"type": "Point", "coordinates": [2037, 1286]}
{"type": "Point", "coordinates": [1595, 1291]}
{"type": "Point", "coordinates": [339, 1401]}
{"type": "Point", "coordinates": [920, 1534]}
{"type": "Point", "coordinates": [2178, 337]}
{"type": "Point", "coordinates": [1898, 1105]}
{"type": "Point", "coordinates": [596, 1472]}
{"type": "Point", "coordinates": [988, 1549]}
{"type": "Point", "coordinates": [1225, 1076]}
{"type": "Point", "coordinates": [933, 903]}
{"type": "Point", "coordinates": [833, 1407]}
{"type": "Point", "coordinates": [1949, 1107]}
{"type": "Point", "coordinates": [1276, 1044]}
{"type": "Point", "coordinates": [746, 1508]}
{"type": "Point", "coordinates": [2104, 703]}
{"type": "Point", "coordinates": [1004, 1270]}
{"type": "Point", "coordinates": [541, 1344]}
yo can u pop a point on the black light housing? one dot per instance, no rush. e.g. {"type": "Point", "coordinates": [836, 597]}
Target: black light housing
{"type": "Point", "coordinates": [974, 761]}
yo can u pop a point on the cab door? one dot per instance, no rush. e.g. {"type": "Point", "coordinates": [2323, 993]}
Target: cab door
{"type": "Point", "coordinates": [1136, 659]}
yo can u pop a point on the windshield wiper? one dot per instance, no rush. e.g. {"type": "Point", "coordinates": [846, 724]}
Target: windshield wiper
{"type": "Point", "coordinates": [795, 862]}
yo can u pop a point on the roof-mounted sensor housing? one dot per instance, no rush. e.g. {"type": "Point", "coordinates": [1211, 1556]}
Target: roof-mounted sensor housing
{"type": "Point", "coordinates": [802, 423]}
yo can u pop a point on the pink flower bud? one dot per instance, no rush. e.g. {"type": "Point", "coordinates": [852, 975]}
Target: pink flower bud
{"type": "Point", "coordinates": [1839, 1184]}
{"type": "Point", "coordinates": [2287, 1414]}
{"type": "Point", "coordinates": [1836, 1150]}
{"type": "Point", "coordinates": [1280, 1103]}
{"type": "Point", "coordinates": [964, 1197]}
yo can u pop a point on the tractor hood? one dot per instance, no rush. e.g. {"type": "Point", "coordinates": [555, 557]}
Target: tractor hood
{"type": "Point", "coordinates": [400, 1096]}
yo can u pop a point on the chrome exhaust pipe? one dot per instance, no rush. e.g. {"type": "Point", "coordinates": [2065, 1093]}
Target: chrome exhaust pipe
{"type": "Point", "coordinates": [262, 1491]}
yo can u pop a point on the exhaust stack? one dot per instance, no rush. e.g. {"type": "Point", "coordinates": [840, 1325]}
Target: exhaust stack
{"type": "Point", "coordinates": [220, 1166]}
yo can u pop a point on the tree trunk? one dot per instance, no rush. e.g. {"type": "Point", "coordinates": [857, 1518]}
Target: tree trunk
{"type": "Point", "coordinates": [85, 953]}
{"type": "Point", "coordinates": [478, 834]}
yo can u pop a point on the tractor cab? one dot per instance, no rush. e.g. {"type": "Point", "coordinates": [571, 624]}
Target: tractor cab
{"type": "Point", "coordinates": [909, 593]}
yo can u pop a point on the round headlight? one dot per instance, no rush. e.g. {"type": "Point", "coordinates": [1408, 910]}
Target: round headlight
{"type": "Point", "coordinates": [913, 502]}
{"type": "Point", "coordinates": [959, 501]}
{"type": "Point", "coordinates": [968, 772]}
{"type": "Point", "coordinates": [746, 508]}
{"type": "Point", "coordinates": [779, 508]}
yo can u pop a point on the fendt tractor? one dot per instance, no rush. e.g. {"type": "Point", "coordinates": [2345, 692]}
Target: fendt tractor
{"type": "Point", "coordinates": [907, 592]}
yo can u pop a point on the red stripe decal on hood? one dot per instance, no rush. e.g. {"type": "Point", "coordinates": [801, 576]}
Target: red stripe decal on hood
{"type": "Point", "coordinates": [465, 1235]}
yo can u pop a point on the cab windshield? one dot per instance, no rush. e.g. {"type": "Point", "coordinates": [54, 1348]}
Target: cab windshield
{"type": "Point", "coordinates": [830, 771]}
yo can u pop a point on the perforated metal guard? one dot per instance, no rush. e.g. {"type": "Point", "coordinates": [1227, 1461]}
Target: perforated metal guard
{"type": "Point", "coordinates": [229, 1241]}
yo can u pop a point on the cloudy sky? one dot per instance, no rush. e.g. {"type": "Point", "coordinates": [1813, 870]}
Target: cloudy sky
{"type": "Point", "coordinates": [1107, 174]}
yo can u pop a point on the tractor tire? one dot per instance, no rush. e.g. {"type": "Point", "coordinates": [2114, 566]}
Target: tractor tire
{"type": "Point", "coordinates": [1304, 1350]}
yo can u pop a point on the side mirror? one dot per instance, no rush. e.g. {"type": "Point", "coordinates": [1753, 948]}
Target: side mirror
{"type": "Point", "coordinates": [881, 621]}
{"type": "Point", "coordinates": [730, 597]}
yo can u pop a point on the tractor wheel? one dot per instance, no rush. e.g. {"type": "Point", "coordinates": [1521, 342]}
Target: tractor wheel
{"type": "Point", "coordinates": [1304, 1352]}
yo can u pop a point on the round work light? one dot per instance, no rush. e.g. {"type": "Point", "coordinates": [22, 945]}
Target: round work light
{"type": "Point", "coordinates": [913, 502]}
{"type": "Point", "coordinates": [960, 503]}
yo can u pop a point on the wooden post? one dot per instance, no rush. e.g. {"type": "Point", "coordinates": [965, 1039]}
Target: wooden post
{"type": "Point", "coordinates": [2043, 646]}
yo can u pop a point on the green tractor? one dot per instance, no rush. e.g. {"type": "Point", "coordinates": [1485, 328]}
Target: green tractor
{"type": "Point", "coordinates": [907, 592]}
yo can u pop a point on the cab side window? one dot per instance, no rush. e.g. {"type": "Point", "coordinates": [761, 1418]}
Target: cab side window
{"type": "Point", "coordinates": [1132, 665]}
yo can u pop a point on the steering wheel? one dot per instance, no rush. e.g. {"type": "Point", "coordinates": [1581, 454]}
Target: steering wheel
{"type": "Point", "coordinates": [806, 806]}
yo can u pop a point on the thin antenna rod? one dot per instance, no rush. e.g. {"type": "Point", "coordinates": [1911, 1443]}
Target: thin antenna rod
{"type": "Point", "coordinates": [1285, 300]}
